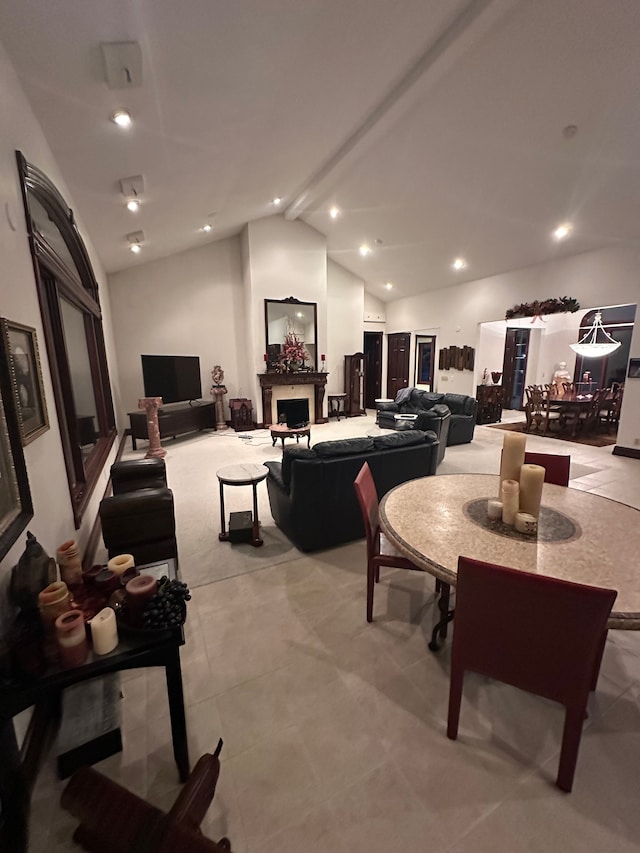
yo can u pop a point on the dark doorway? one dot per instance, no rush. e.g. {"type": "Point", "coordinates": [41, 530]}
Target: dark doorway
{"type": "Point", "coordinates": [373, 374]}
{"type": "Point", "coordinates": [514, 367]}
{"type": "Point", "coordinates": [398, 363]}
{"type": "Point", "coordinates": [425, 360]}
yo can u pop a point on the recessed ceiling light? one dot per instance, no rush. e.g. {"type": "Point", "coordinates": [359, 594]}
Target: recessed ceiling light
{"type": "Point", "coordinates": [562, 231]}
{"type": "Point", "coordinates": [133, 205]}
{"type": "Point", "coordinates": [122, 118]}
{"type": "Point", "coordinates": [277, 201]}
{"type": "Point", "coordinates": [334, 212]}
{"type": "Point", "coordinates": [136, 248]}
{"type": "Point", "coordinates": [207, 227]}
{"type": "Point", "coordinates": [388, 285]}
{"type": "Point", "coordinates": [135, 239]}
{"type": "Point", "coordinates": [459, 264]}
{"type": "Point", "coordinates": [365, 250]}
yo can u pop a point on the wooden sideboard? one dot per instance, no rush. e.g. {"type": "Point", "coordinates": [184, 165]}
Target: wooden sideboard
{"type": "Point", "coordinates": [174, 421]}
{"type": "Point", "coordinates": [489, 399]}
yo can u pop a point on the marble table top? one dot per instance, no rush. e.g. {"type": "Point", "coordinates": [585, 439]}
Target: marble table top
{"type": "Point", "coordinates": [242, 475]}
{"type": "Point", "coordinates": [426, 520]}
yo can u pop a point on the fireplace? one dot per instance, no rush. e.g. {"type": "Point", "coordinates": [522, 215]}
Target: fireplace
{"type": "Point", "coordinates": [277, 381]}
{"type": "Point", "coordinates": [294, 412]}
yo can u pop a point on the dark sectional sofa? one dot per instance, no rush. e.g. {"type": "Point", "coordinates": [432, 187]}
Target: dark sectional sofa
{"type": "Point", "coordinates": [311, 492]}
{"type": "Point", "coordinates": [455, 413]}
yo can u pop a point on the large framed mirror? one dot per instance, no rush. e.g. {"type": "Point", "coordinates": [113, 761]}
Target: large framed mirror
{"type": "Point", "coordinates": [289, 322]}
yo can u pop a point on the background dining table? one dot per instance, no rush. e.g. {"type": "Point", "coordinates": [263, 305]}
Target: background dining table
{"type": "Point", "coordinates": [582, 537]}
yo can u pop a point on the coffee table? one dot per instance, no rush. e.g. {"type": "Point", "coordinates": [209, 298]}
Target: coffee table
{"type": "Point", "coordinates": [241, 475]}
{"type": "Point", "coordinates": [282, 431]}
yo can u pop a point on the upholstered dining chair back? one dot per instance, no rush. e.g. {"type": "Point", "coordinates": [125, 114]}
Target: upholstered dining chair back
{"type": "Point", "coordinates": [380, 552]}
{"type": "Point", "coordinates": [556, 468]}
{"type": "Point", "coordinates": [141, 523]}
{"type": "Point", "coordinates": [538, 633]}
{"type": "Point", "coordinates": [130, 474]}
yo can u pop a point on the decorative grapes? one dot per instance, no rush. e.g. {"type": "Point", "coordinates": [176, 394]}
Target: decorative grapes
{"type": "Point", "coordinates": [167, 608]}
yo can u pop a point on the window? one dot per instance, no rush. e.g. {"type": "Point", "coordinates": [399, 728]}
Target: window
{"type": "Point", "coordinates": [72, 321]}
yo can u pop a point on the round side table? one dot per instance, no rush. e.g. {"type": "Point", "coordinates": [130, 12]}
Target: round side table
{"type": "Point", "coordinates": [241, 475]}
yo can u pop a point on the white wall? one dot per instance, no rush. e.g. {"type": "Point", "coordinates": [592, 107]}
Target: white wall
{"type": "Point", "coordinates": [280, 259]}
{"type": "Point", "coordinates": [190, 303]}
{"type": "Point", "coordinates": [604, 277]}
{"type": "Point", "coordinates": [345, 308]}
{"type": "Point", "coordinates": [53, 518]}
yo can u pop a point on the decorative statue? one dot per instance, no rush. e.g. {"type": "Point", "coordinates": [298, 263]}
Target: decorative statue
{"type": "Point", "coordinates": [217, 374]}
{"type": "Point", "coordinates": [485, 377]}
{"type": "Point", "coordinates": [560, 376]}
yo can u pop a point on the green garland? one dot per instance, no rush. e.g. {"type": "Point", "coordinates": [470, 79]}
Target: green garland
{"type": "Point", "coordinates": [547, 306]}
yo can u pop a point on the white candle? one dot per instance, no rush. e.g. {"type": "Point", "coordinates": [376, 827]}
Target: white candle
{"type": "Point", "coordinates": [531, 482]}
{"type": "Point", "coordinates": [104, 631]}
{"type": "Point", "coordinates": [526, 523]}
{"type": "Point", "coordinates": [494, 509]}
{"type": "Point", "coordinates": [513, 448]}
{"type": "Point", "coordinates": [510, 501]}
{"type": "Point", "coordinates": [121, 563]}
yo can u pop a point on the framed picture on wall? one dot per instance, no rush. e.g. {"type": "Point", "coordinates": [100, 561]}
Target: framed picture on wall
{"type": "Point", "coordinates": [425, 361]}
{"type": "Point", "coordinates": [20, 346]}
{"type": "Point", "coordinates": [15, 498]}
{"type": "Point", "coordinates": [634, 368]}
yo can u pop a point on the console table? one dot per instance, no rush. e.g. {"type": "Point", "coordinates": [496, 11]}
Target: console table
{"type": "Point", "coordinates": [174, 421]}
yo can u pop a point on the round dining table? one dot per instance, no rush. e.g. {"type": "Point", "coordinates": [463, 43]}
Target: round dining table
{"type": "Point", "coordinates": [582, 537]}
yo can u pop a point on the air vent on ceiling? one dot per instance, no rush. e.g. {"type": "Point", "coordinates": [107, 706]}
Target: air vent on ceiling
{"type": "Point", "coordinates": [122, 64]}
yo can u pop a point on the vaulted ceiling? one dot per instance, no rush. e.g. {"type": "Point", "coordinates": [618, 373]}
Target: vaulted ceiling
{"type": "Point", "coordinates": [437, 127]}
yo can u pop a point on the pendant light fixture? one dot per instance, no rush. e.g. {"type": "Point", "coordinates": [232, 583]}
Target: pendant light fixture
{"type": "Point", "coordinates": [596, 342]}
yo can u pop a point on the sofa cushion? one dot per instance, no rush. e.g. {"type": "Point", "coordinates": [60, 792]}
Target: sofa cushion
{"type": "Point", "coordinates": [398, 439]}
{"type": "Point", "coordinates": [344, 447]}
{"type": "Point", "coordinates": [288, 456]}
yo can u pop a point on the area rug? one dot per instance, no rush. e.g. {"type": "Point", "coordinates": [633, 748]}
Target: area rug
{"type": "Point", "coordinates": [597, 439]}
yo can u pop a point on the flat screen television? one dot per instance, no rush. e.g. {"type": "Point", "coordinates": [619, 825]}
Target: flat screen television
{"type": "Point", "coordinates": [175, 378]}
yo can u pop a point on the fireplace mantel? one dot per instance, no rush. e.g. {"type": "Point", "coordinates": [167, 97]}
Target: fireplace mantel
{"type": "Point", "coordinates": [268, 380]}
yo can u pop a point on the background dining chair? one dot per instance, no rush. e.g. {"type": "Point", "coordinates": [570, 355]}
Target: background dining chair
{"type": "Point", "coordinates": [380, 552]}
{"type": "Point", "coordinates": [540, 410]}
{"type": "Point", "coordinates": [556, 468]}
{"type": "Point", "coordinates": [538, 633]}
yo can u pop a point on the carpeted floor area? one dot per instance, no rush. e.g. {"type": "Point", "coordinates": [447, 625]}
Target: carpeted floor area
{"type": "Point", "coordinates": [592, 439]}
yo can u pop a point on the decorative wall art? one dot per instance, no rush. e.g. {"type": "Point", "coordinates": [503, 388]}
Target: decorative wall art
{"type": "Point", "coordinates": [15, 498]}
{"type": "Point", "coordinates": [458, 358]}
{"type": "Point", "coordinates": [23, 359]}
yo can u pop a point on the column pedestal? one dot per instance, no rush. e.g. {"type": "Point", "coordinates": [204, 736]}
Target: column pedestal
{"type": "Point", "coordinates": [151, 406]}
{"type": "Point", "coordinates": [218, 392]}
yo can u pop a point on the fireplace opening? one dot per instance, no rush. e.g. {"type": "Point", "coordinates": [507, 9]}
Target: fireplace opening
{"type": "Point", "coordinates": [294, 413]}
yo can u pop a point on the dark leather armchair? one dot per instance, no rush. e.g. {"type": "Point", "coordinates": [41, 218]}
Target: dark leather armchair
{"type": "Point", "coordinates": [142, 523]}
{"type": "Point", "coordinates": [430, 411]}
{"type": "Point", "coordinates": [464, 411]}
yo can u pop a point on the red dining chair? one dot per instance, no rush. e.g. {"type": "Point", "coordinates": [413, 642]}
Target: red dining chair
{"type": "Point", "coordinates": [538, 633]}
{"type": "Point", "coordinates": [380, 552]}
{"type": "Point", "coordinates": [556, 468]}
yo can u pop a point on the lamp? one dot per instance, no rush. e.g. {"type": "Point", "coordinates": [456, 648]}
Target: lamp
{"type": "Point", "coordinates": [589, 346]}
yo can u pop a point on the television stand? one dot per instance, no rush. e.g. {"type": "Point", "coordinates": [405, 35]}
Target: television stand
{"type": "Point", "coordinates": [174, 420]}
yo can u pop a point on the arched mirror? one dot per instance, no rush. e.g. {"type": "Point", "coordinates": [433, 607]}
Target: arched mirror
{"type": "Point", "coordinates": [287, 323]}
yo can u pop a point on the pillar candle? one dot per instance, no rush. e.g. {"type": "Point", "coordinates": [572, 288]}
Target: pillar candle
{"type": "Point", "coordinates": [121, 563]}
{"type": "Point", "coordinates": [531, 482]}
{"type": "Point", "coordinates": [510, 501]}
{"type": "Point", "coordinates": [512, 456]}
{"type": "Point", "coordinates": [494, 509]}
{"type": "Point", "coordinates": [526, 523]}
{"type": "Point", "coordinates": [71, 636]}
{"type": "Point", "coordinates": [69, 560]}
{"type": "Point", "coordinates": [140, 591]}
{"type": "Point", "coordinates": [53, 601]}
{"type": "Point", "coordinates": [104, 631]}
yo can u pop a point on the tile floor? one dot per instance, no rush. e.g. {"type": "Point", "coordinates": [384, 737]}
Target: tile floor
{"type": "Point", "coordinates": [334, 729]}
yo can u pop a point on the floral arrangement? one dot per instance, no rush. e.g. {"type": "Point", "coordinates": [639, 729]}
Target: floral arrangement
{"type": "Point", "coordinates": [547, 306]}
{"type": "Point", "coordinates": [293, 349]}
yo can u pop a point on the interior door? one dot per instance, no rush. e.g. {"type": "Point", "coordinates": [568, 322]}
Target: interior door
{"type": "Point", "coordinates": [514, 367]}
{"type": "Point", "coordinates": [373, 373]}
{"type": "Point", "coordinates": [397, 362]}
